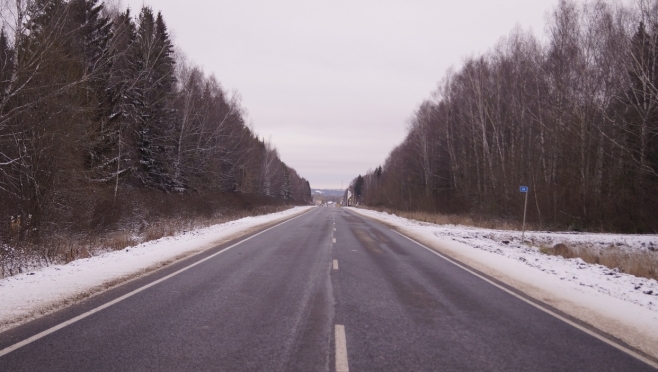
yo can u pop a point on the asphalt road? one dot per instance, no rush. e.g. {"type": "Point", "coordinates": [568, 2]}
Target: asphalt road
{"type": "Point", "coordinates": [322, 292]}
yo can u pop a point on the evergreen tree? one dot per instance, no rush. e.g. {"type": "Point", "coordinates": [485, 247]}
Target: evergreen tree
{"type": "Point", "coordinates": [358, 185]}
{"type": "Point", "coordinates": [42, 17]}
{"type": "Point", "coordinates": [154, 70]}
{"type": "Point", "coordinates": [91, 43]}
{"type": "Point", "coordinates": [92, 37]}
{"type": "Point", "coordinates": [165, 66]}
{"type": "Point", "coordinates": [307, 191]}
{"type": "Point", "coordinates": [286, 190]}
{"type": "Point", "coordinates": [123, 99]}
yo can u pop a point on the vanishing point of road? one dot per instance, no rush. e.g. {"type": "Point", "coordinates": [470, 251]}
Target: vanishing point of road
{"type": "Point", "coordinates": [328, 290]}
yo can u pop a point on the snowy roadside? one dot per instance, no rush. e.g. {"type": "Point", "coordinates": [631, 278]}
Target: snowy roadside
{"type": "Point", "coordinates": [29, 295]}
{"type": "Point", "coordinates": [619, 304]}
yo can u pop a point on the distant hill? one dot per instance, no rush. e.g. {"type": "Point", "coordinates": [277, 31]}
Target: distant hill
{"type": "Point", "coordinates": [328, 192]}
{"type": "Point", "coordinates": [326, 195]}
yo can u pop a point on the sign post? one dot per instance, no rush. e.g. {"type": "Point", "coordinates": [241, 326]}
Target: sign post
{"type": "Point", "coordinates": [524, 189]}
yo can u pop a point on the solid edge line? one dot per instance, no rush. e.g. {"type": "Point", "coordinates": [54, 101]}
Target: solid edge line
{"type": "Point", "coordinates": [48, 331]}
{"type": "Point", "coordinates": [341, 349]}
{"type": "Point", "coordinates": [538, 306]}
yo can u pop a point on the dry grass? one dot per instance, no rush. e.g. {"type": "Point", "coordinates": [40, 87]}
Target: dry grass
{"type": "Point", "coordinates": [171, 227]}
{"type": "Point", "coordinates": [455, 219]}
{"type": "Point", "coordinates": [64, 249]}
{"type": "Point", "coordinates": [119, 240]}
{"type": "Point", "coordinates": [640, 263]}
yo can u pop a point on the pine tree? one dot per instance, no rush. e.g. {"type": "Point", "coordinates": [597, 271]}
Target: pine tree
{"type": "Point", "coordinates": [43, 15]}
{"type": "Point", "coordinates": [165, 74]}
{"type": "Point", "coordinates": [307, 191]}
{"type": "Point", "coordinates": [358, 185]}
{"type": "Point", "coordinates": [92, 37]}
{"type": "Point", "coordinates": [165, 67]}
{"type": "Point", "coordinates": [91, 43]}
{"type": "Point", "coordinates": [154, 69]}
{"type": "Point", "coordinates": [122, 91]}
{"type": "Point", "coordinates": [287, 190]}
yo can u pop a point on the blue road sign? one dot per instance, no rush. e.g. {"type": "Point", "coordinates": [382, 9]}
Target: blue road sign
{"type": "Point", "coordinates": [523, 188]}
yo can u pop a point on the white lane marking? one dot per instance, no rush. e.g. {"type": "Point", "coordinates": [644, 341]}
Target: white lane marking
{"type": "Point", "coordinates": [334, 229]}
{"type": "Point", "coordinates": [538, 306]}
{"type": "Point", "coordinates": [335, 264]}
{"type": "Point", "coordinates": [334, 240]}
{"type": "Point", "coordinates": [341, 349]}
{"type": "Point", "coordinates": [56, 328]}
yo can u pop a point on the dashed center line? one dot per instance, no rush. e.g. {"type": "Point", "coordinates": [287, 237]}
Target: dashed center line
{"type": "Point", "coordinates": [334, 240]}
{"type": "Point", "coordinates": [335, 264]}
{"type": "Point", "coordinates": [341, 349]}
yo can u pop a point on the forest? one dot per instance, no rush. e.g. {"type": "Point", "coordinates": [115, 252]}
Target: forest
{"type": "Point", "coordinates": [572, 115]}
{"type": "Point", "coordinates": [106, 126]}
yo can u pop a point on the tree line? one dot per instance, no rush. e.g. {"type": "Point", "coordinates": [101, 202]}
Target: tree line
{"type": "Point", "coordinates": [100, 118]}
{"type": "Point", "coordinates": [574, 118]}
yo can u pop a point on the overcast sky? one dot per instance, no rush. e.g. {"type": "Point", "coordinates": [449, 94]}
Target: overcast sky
{"type": "Point", "coordinates": [333, 83]}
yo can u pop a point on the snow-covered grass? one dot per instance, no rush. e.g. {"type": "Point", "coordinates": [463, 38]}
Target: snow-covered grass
{"type": "Point", "coordinates": [31, 294]}
{"type": "Point", "coordinates": [631, 254]}
{"type": "Point", "coordinates": [620, 304]}
{"type": "Point", "coordinates": [62, 248]}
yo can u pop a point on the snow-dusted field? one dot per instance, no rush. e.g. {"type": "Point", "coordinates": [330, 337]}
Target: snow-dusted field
{"type": "Point", "coordinates": [622, 305]}
{"type": "Point", "coordinates": [31, 294]}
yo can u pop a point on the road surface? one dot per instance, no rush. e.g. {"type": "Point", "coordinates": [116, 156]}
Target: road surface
{"type": "Point", "coordinates": [326, 291]}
